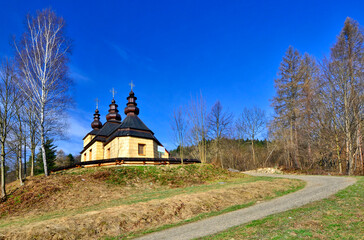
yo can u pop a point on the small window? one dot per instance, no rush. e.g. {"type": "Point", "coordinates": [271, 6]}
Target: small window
{"type": "Point", "coordinates": [108, 153]}
{"type": "Point", "coordinates": [141, 149]}
{"type": "Point", "coordinates": [89, 157]}
{"type": "Point", "coordinates": [84, 157]}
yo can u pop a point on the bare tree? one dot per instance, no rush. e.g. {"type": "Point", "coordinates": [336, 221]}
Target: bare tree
{"type": "Point", "coordinates": [19, 135]}
{"type": "Point", "coordinates": [198, 118]}
{"type": "Point", "coordinates": [251, 123]}
{"type": "Point", "coordinates": [31, 123]}
{"type": "Point", "coordinates": [308, 105]}
{"type": "Point", "coordinates": [344, 73]}
{"type": "Point", "coordinates": [42, 54]}
{"type": "Point", "coordinates": [219, 122]}
{"type": "Point", "coordinates": [8, 97]}
{"type": "Point", "coordinates": [179, 126]}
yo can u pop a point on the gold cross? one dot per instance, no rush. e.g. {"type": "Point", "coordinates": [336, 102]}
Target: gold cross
{"type": "Point", "coordinates": [97, 103]}
{"type": "Point", "coordinates": [113, 92]}
{"type": "Point", "coordinates": [131, 85]}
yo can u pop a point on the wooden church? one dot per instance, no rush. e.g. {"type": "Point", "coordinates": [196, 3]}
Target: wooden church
{"type": "Point", "coordinates": [129, 138]}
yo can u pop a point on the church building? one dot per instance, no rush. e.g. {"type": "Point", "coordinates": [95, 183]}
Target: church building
{"type": "Point", "coordinates": [129, 138]}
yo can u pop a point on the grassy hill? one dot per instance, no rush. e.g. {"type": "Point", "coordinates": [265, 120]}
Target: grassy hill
{"type": "Point", "coordinates": [127, 200]}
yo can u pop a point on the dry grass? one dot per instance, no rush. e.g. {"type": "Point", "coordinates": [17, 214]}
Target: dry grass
{"type": "Point", "coordinates": [129, 218]}
{"type": "Point", "coordinates": [86, 187]}
{"type": "Point", "coordinates": [96, 202]}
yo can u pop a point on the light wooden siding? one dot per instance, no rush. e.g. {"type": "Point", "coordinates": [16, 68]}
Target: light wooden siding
{"type": "Point", "coordinates": [150, 147]}
{"type": "Point", "coordinates": [123, 147]}
{"type": "Point", "coordinates": [165, 154]}
{"type": "Point", "coordinates": [88, 139]}
{"type": "Point", "coordinates": [119, 147]}
{"type": "Point", "coordinates": [97, 152]}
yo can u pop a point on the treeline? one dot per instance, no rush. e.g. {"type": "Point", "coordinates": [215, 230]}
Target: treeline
{"type": "Point", "coordinates": [55, 159]}
{"type": "Point", "coordinates": [33, 94]}
{"type": "Point", "coordinates": [318, 107]}
{"type": "Point", "coordinates": [318, 120]}
{"type": "Point", "coordinates": [215, 136]}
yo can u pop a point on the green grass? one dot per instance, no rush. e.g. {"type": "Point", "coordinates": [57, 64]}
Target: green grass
{"type": "Point", "coordinates": [338, 217]}
{"type": "Point", "coordinates": [209, 214]}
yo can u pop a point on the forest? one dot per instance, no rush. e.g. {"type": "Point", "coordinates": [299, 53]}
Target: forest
{"type": "Point", "coordinates": [317, 123]}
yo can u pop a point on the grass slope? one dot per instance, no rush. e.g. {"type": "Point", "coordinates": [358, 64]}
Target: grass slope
{"type": "Point", "coordinates": [135, 199]}
{"type": "Point", "coordinates": [338, 217]}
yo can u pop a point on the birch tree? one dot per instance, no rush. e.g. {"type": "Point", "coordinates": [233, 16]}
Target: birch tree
{"type": "Point", "coordinates": [43, 54]}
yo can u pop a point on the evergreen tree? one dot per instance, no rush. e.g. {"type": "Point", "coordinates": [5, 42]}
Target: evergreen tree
{"type": "Point", "coordinates": [50, 150]}
{"type": "Point", "coordinates": [71, 159]}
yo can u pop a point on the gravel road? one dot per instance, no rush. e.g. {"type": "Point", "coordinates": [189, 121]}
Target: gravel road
{"type": "Point", "coordinates": [317, 188]}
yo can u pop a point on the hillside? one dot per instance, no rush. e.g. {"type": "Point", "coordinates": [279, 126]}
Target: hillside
{"type": "Point", "coordinates": [112, 201]}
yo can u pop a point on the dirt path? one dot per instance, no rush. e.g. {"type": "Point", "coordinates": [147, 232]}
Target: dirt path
{"type": "Point", "coordinates": [317, 188]}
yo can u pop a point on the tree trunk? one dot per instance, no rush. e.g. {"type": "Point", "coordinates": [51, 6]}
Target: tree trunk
{"type": "Point", "coordinates": [181, 152]}
{"type": "Point", "coordinates": [297, 162]}
{"type": "Point", "coordinates": [25, 157]}
{"type": "Point", "coordinates": [360, 149]}
{"type": "Point", "coordinates": [3, 189]}
{"type": "Point", "coordinates": [20, 166]}
{"type": "Point", "coordinates": [253, 153]}
{"type": "Point", "coordinates": [338, 153]}
{"type": "Point", "coordinates": [32, 159]}
{"type": "Point", "coordinates": [349, 146]}
{"type": "Point", "coordinates": [44, 156]}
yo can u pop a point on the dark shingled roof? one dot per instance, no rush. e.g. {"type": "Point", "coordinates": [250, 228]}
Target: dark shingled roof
{"type": "Point", "coordinates": [134, 122]}
{"type": "Point", "coordinates": [93, 132]}
{"type": "Point", "coordinates": [108, 129]}
{"type": "Point", "coordinates": [131, 126]}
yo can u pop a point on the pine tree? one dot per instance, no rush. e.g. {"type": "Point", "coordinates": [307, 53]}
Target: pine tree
{"type": "Point", "coordinates": [286, 102]}
{"type": "Point", "coordinates": [50, 150]}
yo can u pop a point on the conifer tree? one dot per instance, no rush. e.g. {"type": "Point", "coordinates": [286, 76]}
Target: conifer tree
{"type": "Point", "coordinates": [50, 150]}
{"type": "Point", "coordinates": [286, 101]}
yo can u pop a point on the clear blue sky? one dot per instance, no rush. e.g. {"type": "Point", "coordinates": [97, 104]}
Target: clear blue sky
{"type": "Point", "coordinates": [229, 50]}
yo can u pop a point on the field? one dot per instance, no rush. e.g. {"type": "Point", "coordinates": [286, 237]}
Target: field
{"type": "Point", "coordinates": [124, 202]}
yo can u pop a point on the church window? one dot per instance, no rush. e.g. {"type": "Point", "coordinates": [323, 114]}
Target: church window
{"type": "Point", "coordinates": [84, 157]}
{"type": "Point", "coordinates": [141, 149]}
{"type": "Point", "coordinates": [90, 157]}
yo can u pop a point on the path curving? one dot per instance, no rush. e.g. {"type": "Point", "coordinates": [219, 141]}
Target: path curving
{"type": "Point", "coordinates": [317, 188]}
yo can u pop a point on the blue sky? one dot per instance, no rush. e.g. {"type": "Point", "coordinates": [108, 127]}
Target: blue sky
{"type": "Point", "coordinates": [228, 50]}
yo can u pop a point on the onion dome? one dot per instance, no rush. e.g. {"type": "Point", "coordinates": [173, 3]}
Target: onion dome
{"type": "Point", "coordinates": [113, 115]}
{"type": "Point", "coordinates": [96, 124]}
{"type": "Point", "coordinates": [131, 106]}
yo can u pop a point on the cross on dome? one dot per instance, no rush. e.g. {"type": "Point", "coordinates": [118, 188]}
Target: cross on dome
{"type": "Point", "coordinates": [97, 103]}
{"type": "Point", "coordinates": [131, 85]}
{"type": "Point", "coordinates": [113, 92]}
